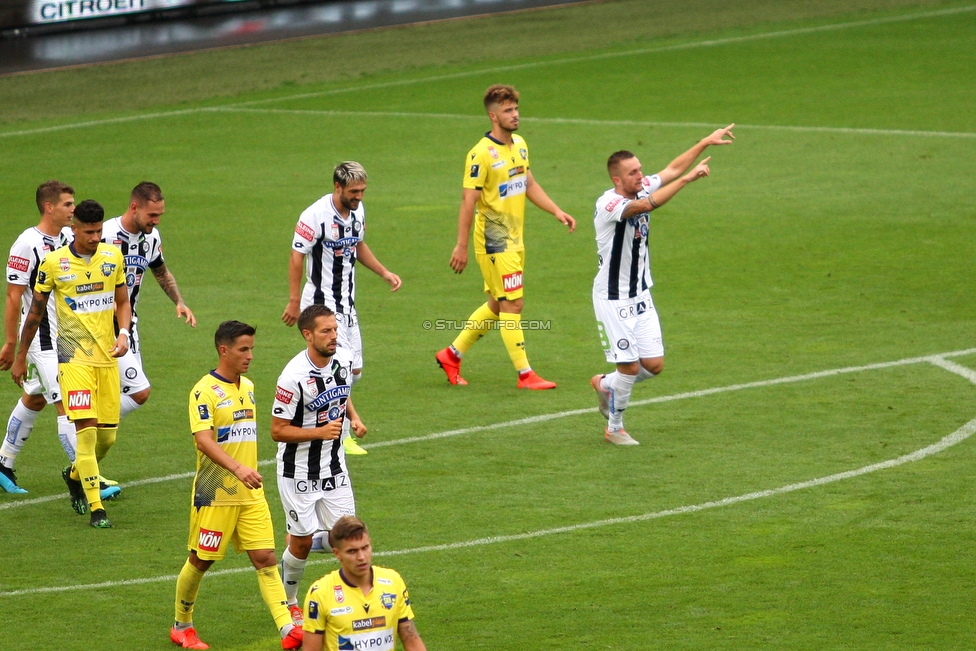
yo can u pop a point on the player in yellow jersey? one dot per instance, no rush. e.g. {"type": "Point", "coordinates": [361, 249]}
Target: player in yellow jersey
{"type": "Point", "coordinates": [360, 605]}
{"type": "Point", "coordinates": [228, 497]}
{"type": "Point", "coordinates": [497, 179]}
{"type": "Point", "coordinates": [88, 282]}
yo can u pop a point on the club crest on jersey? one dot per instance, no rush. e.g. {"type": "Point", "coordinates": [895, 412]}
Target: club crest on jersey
{"type": "Point", "coordinates": [18, 263]}
{"type": "Point", "coordinates": [108, 268]}
{"type": "Point", "coordinates": [523, 152]}
{"type": "Point", "coordinates": [65, 264]}
{"type": "Point", "coordinates": [313, 388]}
{"type": "Point", "coordinates": [217, 390]}
{"type": "Point", "coordinates": [388, 600]}
{"type": "Point", "coordinates": [493, 152]}
{"type": "Point", "coordinates": [339, 595]}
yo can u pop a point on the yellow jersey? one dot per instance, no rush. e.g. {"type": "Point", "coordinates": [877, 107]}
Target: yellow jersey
{"type": "Point", "coordinates": [501, 173]}
{"type": "Point", "coordinates": [348, 620]}
{"type": "Point", "coordinates": [227, 409]}
{"type": "Point", "coordinates": [84, 298]}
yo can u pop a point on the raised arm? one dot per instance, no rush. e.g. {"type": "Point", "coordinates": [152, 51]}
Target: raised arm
{"type": "Point", "coordinates": [663, 194]}
{"type": "Point", "coordinates": [538, 196]}
{"type": "Point", "coordinates": [168, 284]}
{"type": "Point", "coordinates": [678, 166]}
{"type": "Point", "coordinates": [366, 257]}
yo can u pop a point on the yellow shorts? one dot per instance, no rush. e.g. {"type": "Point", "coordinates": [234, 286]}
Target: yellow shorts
{"type": "Point", "coordinates": [90, 392]}
{"type": "Point", "coordinates": [249, 527]}
{"type": "Point", "coordinates": [502, 273]}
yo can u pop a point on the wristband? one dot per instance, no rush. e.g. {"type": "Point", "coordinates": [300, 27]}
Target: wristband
{"type": "Point", "coordinates": [123, 331]}
{"type": "Point", "coordinates": [654, 206]}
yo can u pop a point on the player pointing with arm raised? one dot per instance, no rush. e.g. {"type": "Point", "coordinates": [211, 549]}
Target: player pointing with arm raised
{"type": "Point", "coordinates": [626, 318]}
{"type": "Point", "coordinates": [497, 179]}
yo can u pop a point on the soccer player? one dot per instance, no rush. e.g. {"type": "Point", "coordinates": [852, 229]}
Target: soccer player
{"type": "Point", "coordinates": [88, 282]}
{"type": "Point", "coordinates": [136, 234]}
{"type": "Point", "coordinates": [311, 401]}
{"type": "Point", "coordinates": [360, 605]}
{"type": "Point", "coordinates": [56, 203]}
{"type": "Point", "coordinates": [626, 318]}
{"type": "Point", "coordinates": [329, 240]}
{"type": "Point", "coordinates": [228, 498]}
{"type": "Point", "coordinates": [497, 179]}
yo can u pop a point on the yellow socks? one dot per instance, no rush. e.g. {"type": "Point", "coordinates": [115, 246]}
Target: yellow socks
{"type": "Point", "coordinates": [85, 467]}
{"type": "Point", "coordinates": [479, 323]}
{"type": "Point", "coordinates": [187, 586]}
{"type": "Point", "coordinates": [273, 593]}
{"type": "Point", "coordinates": [510, 326]}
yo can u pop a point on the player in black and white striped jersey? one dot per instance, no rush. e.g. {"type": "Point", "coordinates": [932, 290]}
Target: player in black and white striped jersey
{"type": "Point", "coordinates": [136, 234]}
{"type": "Point", "coordinates": [626, 318]}
{"type": "Point", "coordinates": [56, 203]}
{"type": "Point", "coordinates": [311, 402]}
{"type": "Point", "coordinates": [329, 240]}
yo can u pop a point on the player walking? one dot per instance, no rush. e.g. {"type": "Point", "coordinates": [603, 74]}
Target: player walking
{"type": "Point", "coordinates": [626, 318]}
{"type": "Point", "coordinates": [228, 499]}
{"type": "Point", "coordinates": [497, 179]}
{"type": "Point", "coordinates": [360, 605]}
{"type": "Point", "coordinates": [329, 240]}
{"type": "Point", "coordinates": [88, 282]}
{"type": "Point", "coordinates": [311, 402]}
{"type": "Point", "coordinates": [56, 203]}
{"type": "Point", "coordinates": [136, 235]}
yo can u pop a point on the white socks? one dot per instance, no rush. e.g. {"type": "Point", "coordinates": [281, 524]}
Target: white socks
{"type": "Point", "coordinates": [19, 427]}
{"type": "Point", "coordinates": [620, 387]}
{"type": "Point", "coordinates": [128, 405]}
{"type": "Point", "coordinates": [292, 569]}
{"type": "Point", "coordinates": [68, 437]}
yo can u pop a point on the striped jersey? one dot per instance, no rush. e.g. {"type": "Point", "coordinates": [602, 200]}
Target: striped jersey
{"type": "Point", "coordinates": [25, 256]}
{"type": "Point", "coordinates": [621, 244]}
{"type": "Point", "coordinates": [83, 291]}
{"type": "Point", "coordinates": [309, 397]}
{"type": "Point", "coordinates": [228, 410]}
{"type": "Point", "coordinates": [140, 252]}
{"type": "Point", "coordinates": [328, 243]}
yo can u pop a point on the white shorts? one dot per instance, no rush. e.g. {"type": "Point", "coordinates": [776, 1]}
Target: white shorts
{"type": "Point", "coordinates": [315, 504]}
{"type": "Point", "coordinates": [42, 375]}
{"type": "Point", "coordinates": [629, 329]}
{"type": "Point", "coordinates": [131, 376]}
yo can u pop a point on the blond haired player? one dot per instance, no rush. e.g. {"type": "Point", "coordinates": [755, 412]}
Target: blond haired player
{"type": "Point", "coordinates": [497, 179]}
{"type": "Point", "coordinates": [360, 605]}
{"type": "Point", "coordinates": [88, 282]}
{"type": "Point", "coordinates": [228, 498]}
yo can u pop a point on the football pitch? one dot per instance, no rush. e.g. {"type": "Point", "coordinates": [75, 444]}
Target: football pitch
{"type": "Point", "coordinates": [804, 479]}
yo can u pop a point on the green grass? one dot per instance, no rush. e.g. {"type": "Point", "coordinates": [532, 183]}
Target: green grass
{"type": "Point", "coordinates": [813, 246]}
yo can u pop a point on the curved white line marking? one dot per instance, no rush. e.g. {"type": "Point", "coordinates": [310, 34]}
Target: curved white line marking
{"type": "Point", "coordinates": [958, 436]}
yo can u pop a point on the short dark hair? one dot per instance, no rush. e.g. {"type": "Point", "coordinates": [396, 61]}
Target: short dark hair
{"type": "Point", "coordinates": [348, 527]}
{"type": "Point", "coordinates": [616, 158]}
{"type": "Point", "coordinates": [89, 211]}
{"type": "Point", "coordinates": [50, 192]}
{"type": "Point", "coordinates": [146, 191]}
{"type": "Point", "coordinates": [306, 320]}
{"type": "Point", "coordinates": [228, 332]}
{"type": "Point", "coordinates": [498, 93]}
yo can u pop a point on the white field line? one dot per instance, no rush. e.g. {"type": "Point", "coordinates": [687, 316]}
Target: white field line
{"type": "Point", "coordinates": [938, 360]}
{"type": "Point", "coordinates": [521, 66]}
{"type": "Point", "coordinates": [602, 123]}
{"type": "Point", "coordinates": [958, 436]}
